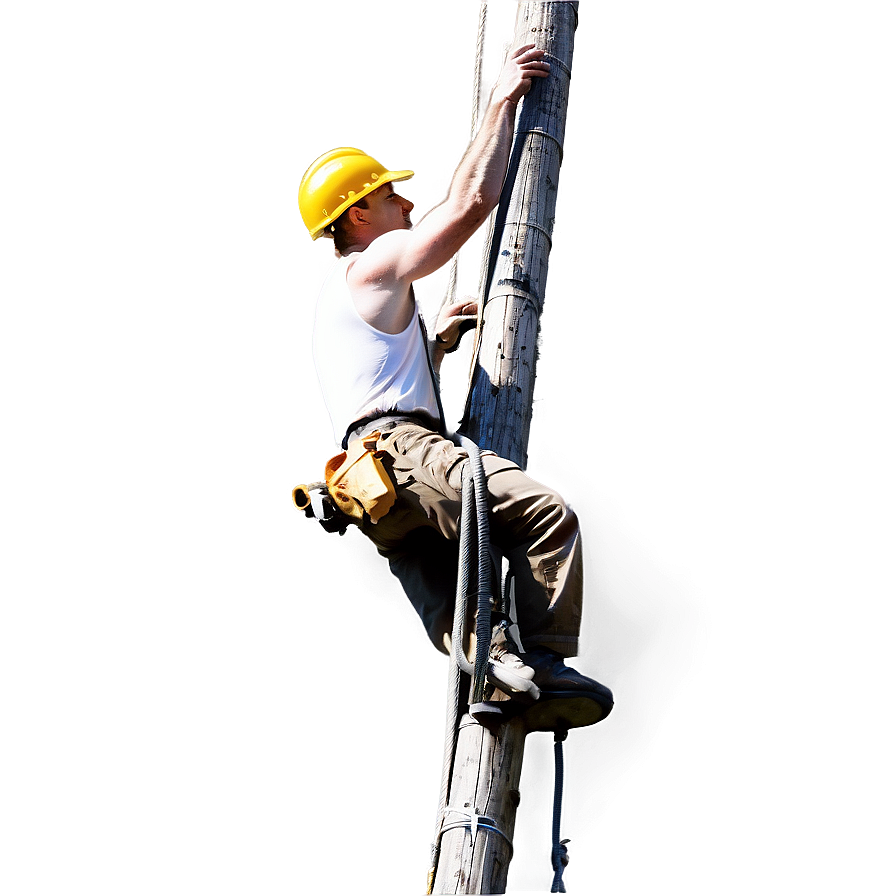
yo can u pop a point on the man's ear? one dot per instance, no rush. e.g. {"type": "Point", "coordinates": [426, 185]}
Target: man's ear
{"type": "Point", "coordinates": [356, 216]}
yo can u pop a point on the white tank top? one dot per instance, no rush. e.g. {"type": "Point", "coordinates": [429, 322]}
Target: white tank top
{"type": "Point", "coordinates": [363, 371]}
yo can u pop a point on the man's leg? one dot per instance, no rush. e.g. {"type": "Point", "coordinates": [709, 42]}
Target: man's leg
{"type": "Point", "coordinates": [539, 534]}
{"type": "Point", "coordinates": [426, 567]}
{"type": "Point", "coordinates": [530, 523]}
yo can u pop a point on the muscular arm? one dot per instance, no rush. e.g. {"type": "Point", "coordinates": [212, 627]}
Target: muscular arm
{"type": "Point", "coordinates": [393, 261]}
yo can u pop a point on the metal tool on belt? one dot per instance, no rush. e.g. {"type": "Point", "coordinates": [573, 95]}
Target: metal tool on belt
{"type": "Point", "coordinates": [357, 485]}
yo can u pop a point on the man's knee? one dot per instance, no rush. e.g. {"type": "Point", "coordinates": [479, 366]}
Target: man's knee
{"type": "Point", "coordinates": [526, 510]}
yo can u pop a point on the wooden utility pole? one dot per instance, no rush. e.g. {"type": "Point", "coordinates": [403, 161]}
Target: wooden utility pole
{"type": "Point", "coordinates": [499, 406]}
{"type": "Point", "coordinates": [475, 849]}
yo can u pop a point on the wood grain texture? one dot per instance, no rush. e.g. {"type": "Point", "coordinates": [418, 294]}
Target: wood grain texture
{"type": "Point", "coordinates": [499, 406]}
{"type": "Point", "coordinates": [485, 782]}
{"type": "Point", "coordinates": [487, 766]}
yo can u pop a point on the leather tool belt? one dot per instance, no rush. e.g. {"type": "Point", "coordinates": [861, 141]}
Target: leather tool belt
{"type": "Point", "coordinates": [376, 421]}
{"type": "Point", "coordinates": [358, 481]}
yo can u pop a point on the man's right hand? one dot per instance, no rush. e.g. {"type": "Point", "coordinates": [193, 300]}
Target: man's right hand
{"type": "Point", "coordinates": [396, 259]}
{"type": "Point", "coordinates": [521, 67]}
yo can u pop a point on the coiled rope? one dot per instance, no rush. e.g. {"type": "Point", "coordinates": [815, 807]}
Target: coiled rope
{"type": "Point", "coordinates": [473, 537]}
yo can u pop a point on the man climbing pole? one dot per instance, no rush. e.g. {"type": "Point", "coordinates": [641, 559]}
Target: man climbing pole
{"type": "Point", "coordinates": [376, 371]}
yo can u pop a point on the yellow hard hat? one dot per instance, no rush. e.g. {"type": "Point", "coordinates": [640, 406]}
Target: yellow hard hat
{"type": "Point", "coordinates": [338, 179]}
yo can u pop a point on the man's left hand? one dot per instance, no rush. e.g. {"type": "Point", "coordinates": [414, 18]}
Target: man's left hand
{"type": "Point", "coordinates": [454, 320]}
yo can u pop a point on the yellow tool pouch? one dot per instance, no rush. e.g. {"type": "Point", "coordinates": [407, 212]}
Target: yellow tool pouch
{"type": "Point", "coordinates": [358, 481]}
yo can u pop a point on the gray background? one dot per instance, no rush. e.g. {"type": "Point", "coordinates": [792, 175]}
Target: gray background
{"type": "Point", "coordinates": [202, 692]}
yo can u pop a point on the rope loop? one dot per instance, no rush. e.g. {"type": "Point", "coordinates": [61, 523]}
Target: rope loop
{"type": "Point", "coordinates": [559, 861]}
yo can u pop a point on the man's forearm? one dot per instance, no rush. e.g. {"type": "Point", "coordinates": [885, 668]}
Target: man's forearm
{"type": "Point", "coordinates": [475, 187]}
{"type": "Point", "coordinates": [479, 177]}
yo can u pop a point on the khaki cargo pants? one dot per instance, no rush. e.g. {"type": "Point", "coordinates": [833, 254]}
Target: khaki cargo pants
{"type": "Point", "coordinates": [531, 525]}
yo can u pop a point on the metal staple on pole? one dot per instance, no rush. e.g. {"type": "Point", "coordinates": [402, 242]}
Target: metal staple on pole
{"type": "Point", "coordinates": [476, 822]}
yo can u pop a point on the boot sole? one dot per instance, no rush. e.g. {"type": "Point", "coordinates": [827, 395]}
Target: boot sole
{"type": "Point", "coordinates": [563, 710]}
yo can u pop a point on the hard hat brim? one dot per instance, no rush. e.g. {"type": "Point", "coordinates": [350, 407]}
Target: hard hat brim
{"type": "Point", "coordinates": [387, 177]}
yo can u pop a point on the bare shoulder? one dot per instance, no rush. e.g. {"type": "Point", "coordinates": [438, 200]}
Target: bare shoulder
{"type": "Point", "coordinates": [381, 297]}
{"type": "Point", "coordinates": [380, 261]}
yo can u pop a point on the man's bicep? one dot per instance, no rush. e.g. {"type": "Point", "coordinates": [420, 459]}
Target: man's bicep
{"type": "Point", "coordinates": [379, 262]}
{"type": "Point", "coordinates": [409, 255]}
{"type": "Point", "coordinates": [434, 241]}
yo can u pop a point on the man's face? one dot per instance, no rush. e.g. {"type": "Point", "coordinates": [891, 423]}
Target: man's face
{"type": "Point", "coordinates": [388, 211]}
